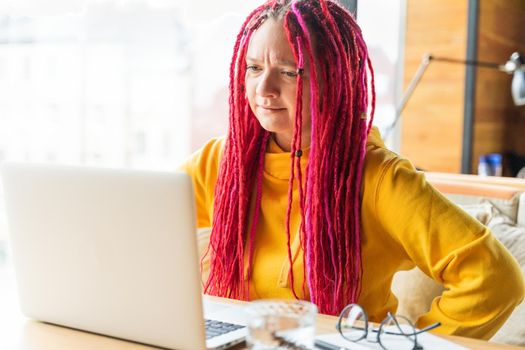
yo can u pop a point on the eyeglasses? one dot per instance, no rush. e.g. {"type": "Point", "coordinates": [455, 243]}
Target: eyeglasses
{"type": "Point", "coordinates": [395, 332]}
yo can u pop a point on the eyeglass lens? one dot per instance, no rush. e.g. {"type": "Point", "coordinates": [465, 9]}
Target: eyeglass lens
{"type": "Point", "coordinates": [397, 332]}
{"type": "Point", "coordinates": [353, 323]}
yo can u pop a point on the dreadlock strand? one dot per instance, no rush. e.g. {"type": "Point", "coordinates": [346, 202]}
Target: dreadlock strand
{"type": "Point", "coordinates": [220, 281]}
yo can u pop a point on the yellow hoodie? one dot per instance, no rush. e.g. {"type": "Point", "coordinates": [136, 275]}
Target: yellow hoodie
{"type": "Point", "coordinates": [405, 223]}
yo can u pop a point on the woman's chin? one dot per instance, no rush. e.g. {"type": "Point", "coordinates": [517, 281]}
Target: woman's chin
{"type": "Point", "coordinates": [272, 124]}
{"type": "Point", "coordinates": [274, 129]}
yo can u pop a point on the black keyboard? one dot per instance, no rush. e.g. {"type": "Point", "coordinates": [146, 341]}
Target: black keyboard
{"type": "Point", "coordinates": [216, 328]}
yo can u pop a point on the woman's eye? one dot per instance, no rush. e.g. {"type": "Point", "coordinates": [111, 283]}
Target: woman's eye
{"type": "Point", "coordinates": [290, 74]}
{"type": "Point", "coordinates": [252, 68]}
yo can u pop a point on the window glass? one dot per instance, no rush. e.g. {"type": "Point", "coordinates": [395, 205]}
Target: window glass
{"type": "Point", "coordinates": [119, 83]}
{"type": "Point", "coordinates": [383, 28]}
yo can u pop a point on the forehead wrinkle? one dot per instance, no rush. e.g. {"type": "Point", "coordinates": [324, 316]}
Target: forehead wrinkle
{"type": "Point", "coordinates": [261, 50]}
{"type": "Point", "coordinates": [269, 43]}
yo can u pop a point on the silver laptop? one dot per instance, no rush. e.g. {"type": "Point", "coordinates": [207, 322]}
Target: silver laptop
{"type": "Point", "coordinates": [113, 252]}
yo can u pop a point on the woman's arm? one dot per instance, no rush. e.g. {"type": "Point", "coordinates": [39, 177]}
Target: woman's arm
{"type": "Point", "coordinates": [483, 281]}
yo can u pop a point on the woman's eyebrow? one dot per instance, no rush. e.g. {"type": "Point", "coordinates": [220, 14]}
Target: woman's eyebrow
{"type": "Point", "coordinates": [279, 62]}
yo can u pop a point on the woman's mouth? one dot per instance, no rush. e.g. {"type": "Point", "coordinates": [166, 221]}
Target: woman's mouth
{"type": "Point", "coordinates": [270, 109]}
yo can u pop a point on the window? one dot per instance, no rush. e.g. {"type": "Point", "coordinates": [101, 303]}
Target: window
{"type": "Point", "coordinates": [120, 83]}
{"type": "Point", "coordinates": [383, 26]}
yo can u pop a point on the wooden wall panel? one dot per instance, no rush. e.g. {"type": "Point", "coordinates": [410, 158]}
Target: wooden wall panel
{"type": "Point", "coordinates": [499, 126]}
{"type": "Point", "coordinates": [432, 122]}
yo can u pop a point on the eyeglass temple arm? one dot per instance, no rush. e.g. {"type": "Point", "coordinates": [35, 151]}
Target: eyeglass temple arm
{"type": "Point", "coordinates": [422, 330]}
{"type": "Point", "coordinates": [429, 328]}
{"type": "Point", "coordinates": [426, 329]}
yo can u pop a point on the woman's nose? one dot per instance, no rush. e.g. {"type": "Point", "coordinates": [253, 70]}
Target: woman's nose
{"type": "Point", "coordinates": [267, 86]}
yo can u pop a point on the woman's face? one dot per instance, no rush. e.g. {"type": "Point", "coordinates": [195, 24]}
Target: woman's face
{"type": "Point", "coordinates": [271, 84]}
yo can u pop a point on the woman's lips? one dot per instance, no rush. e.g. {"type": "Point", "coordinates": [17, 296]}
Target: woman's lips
{"type": "Point", "coordinates": [270, 109]}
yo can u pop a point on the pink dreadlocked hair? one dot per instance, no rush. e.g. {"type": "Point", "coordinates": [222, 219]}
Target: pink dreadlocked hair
{"type": "Point", "coordinates": [329, 191]}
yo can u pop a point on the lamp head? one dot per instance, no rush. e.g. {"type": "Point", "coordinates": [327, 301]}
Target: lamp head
{"type": "Point", "coordinates": [516, 66]}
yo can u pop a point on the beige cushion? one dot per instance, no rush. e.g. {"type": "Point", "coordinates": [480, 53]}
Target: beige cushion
{"type": "Point", "coordinates": [482, 211]}
{"type": "Point", "coordinates": [520, 220]}
{"type": "Point", "coordinates": [513, 238]}
{"type": "Point", "coordinates": [415, 292]}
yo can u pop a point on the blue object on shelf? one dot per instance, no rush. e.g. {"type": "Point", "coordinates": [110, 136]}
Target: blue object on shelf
{"type": "Point", "coordinates": [490, 164]}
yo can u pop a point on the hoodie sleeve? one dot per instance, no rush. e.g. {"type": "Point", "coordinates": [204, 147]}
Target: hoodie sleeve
{"type": "Point", "coordinates": [483, 282]}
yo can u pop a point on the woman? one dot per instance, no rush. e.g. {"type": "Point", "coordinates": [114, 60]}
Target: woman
{"type": "Point", "coordinates": [305, 201]}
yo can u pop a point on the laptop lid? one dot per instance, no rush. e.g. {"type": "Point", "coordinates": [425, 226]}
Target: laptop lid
{"type": "Point", "coordinates": [108, 251]}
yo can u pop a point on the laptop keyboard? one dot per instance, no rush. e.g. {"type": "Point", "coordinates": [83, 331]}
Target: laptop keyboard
{"type": "Point", "coordinates": [216, 328]}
